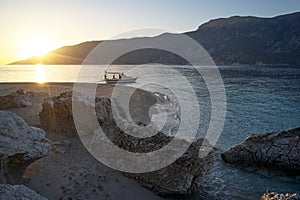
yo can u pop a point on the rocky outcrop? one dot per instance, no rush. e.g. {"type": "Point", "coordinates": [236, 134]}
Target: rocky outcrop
{"type": "Point", "coordinates": [14, 100]}
{"type": "Point", "coordinates": [279, 151]}
{"type": "Point", "coordinates": [20, 145]}
{"type": "Point", "coordinates": [184, 176]}
{"type": "Point", "coordinates": [56, 114]}
{"type": "Point", "coordinates": [18, 192]}
{"type": "Point", "coordinates": [276, 196]}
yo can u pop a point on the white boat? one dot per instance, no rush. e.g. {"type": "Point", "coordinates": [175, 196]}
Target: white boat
{"type": "Point", "coordinates": [117, 77]}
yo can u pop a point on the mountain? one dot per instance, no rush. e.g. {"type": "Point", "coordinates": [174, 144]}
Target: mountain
{"type": "Point", "coordinates": [252, 40]}
{"type": "Point", "coordinates": [67, 55]}
{"type": "Point", "coordinates": [234, 40]}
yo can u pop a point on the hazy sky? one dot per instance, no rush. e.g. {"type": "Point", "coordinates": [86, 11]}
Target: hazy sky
{"type": "Point", "coordinates": [54, 23]}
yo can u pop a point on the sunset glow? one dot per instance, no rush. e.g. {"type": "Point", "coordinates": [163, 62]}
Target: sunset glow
{"type": "Point", "coordinates": [35, 46]}
{"type": "Point", "coordinates": [40, 74]}
{"type": "Point", "coordinates": [28, 28]}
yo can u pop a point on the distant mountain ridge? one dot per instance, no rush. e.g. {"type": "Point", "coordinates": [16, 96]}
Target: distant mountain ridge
{"type": "Point", "coordinates": [233, 40]}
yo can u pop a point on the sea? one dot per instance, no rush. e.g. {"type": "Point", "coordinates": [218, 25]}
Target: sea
{"type": "Point", "coordinates": [259, 99]}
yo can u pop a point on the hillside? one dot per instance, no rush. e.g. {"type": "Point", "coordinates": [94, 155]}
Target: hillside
{"type": "Point", "coordinates": [234, 40]}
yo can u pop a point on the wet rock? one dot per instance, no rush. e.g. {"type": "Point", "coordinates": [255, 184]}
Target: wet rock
{"type": "Point", "coordinates": [279, 151]}
{"type": "Point", "coordinates": [14, 100]}
{"type": "Point", "coordinates": [276, 196]}
{"type": "Point", "coordinates": [18, 192]}
{"type": "Point", "coordinates": [20, 145]}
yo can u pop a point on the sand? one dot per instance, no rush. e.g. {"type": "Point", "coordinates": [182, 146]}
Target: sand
{"type": "Point", "coordinates": [69, 171]}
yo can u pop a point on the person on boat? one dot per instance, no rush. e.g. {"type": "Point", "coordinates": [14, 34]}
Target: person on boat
{"type": "Point", "coordinates": [120, 76]}
{"type": "Point", "coordinates": [105, 77]}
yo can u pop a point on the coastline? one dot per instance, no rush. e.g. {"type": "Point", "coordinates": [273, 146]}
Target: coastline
{"type": "Point", "coordinates": [69, 171]}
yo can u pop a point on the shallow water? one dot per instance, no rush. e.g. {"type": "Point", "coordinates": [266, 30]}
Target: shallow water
{"type": "Point", "coordinates": [259, 99]}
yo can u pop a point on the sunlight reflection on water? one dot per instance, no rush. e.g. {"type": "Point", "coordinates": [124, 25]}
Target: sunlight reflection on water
{"type": "Point", "coordinates": [260, 99]}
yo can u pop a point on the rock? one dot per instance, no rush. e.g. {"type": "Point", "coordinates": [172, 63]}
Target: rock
{"type": "Point", "coordinates": [14, 100]}
{"type": "Point", "coordinates": [279, 151]}
{"type": "Point", "coordinates": [184, 176]}
{"type": "Point", "coordinates": [18, 192]}
{"type": "Point", "coordinates": [20, 145]}
{"type": "Point", "coordinates": [56, 114]}
{"type": "Point", "coordinates": [30, 94]}
{"type": "Point", "coordinates": [276, 196]}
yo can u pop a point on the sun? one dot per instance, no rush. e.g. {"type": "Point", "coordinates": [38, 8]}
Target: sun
{"type": "Point", "coordinates": [35, 46]}
{"type": "Point", "coordinates": [40, 74]}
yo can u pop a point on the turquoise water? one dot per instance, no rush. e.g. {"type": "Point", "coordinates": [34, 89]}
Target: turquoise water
{"type": "Point", "coordinates": [259, 99]}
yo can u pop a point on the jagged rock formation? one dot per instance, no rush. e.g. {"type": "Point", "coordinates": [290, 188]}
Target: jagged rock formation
{"type": "Point", "coordinates": [184, 176]}
{"type": "Point", "coordinates": [20, 145]}
{"type": "Point", "coordinates": [56, 114]}
{"type": "Point", "coordinates": [18, 192]}
{"type": "Point", "coordinates": [276, 196]}
{"type": "Point", "coordinates": [14, 100]}
{"type": "Point", "coordinates": [278, 151]}
{"type": "Point", "coordinates": [181, 177]}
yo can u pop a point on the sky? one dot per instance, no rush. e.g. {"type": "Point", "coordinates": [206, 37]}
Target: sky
{"type": "Point", "coordinates": [33, 27]}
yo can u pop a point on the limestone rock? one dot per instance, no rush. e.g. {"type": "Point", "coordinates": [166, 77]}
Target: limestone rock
{"type": "Point", "coordinates": [184, 176]}
{"type": "Point", "coordinates": [56, 114]}
{"type": "Point", "coordinates": [20, 145]}
{"type": "Point", "coordinates": [276, 196]}
{"type": "Point", "coordinates": [18, 192]}
{"type": "Point", "coordinates": [279, 151]}
{"type": "Point", "coordinates": [14, 100]}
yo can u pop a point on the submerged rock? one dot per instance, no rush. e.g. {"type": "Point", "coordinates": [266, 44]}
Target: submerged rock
{"type": "Point", "coordinates": [276, 196]}
{"type": "Point", "coordinates": [279, 151]}
{"type": "Point", "coordinates": [20, 145]}
{"type": "Point", "coordinates": [14, 100]}
{"type": "Point", "coordinates": [18, 192]}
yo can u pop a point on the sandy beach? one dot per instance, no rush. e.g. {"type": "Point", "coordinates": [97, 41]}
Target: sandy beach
{"type": "Point", "coordinates": [69, 171]}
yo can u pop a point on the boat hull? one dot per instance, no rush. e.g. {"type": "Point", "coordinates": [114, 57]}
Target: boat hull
{"type": "Point", "coordinates": [119, 81]}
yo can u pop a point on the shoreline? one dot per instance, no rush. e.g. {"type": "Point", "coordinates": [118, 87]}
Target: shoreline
{"type": "Point", "coordinates": [69, 171]}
